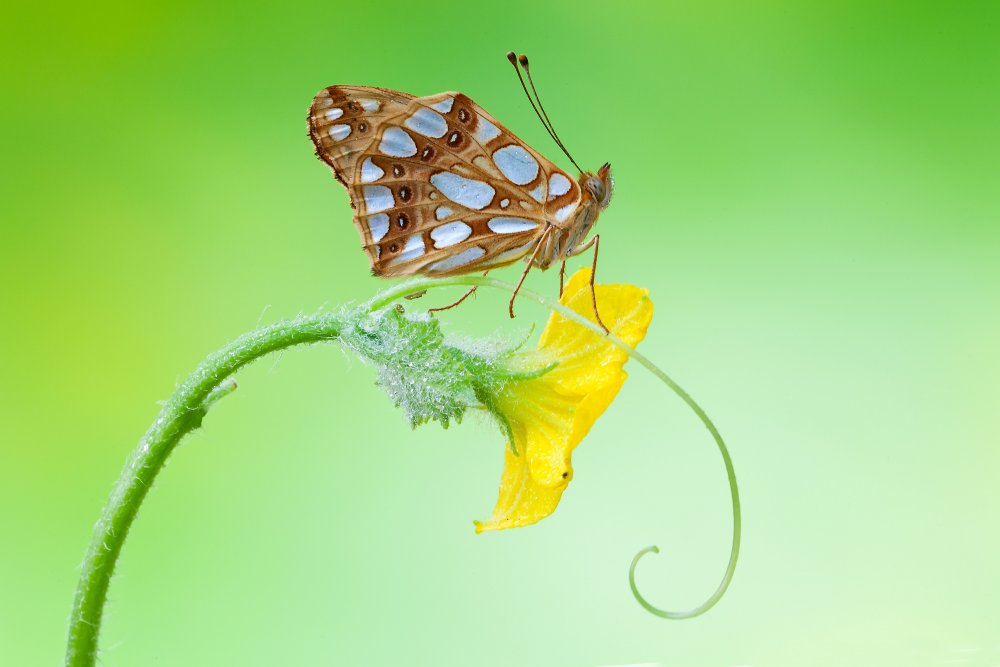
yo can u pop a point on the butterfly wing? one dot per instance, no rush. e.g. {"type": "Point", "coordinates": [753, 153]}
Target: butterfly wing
{"type": "Point", "coordinates": [343, 120]}
{"type": "Point", "coordinates": [443, 188]}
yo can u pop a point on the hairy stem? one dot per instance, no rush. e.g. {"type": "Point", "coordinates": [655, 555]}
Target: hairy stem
{"type": "Point", "coordinates": [180, 415]}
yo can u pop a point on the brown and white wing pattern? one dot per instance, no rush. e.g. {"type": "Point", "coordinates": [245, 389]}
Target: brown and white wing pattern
{"type": "Point", "coordinates": [343, 120]}
{"type": "Point", "coordinates": [442, 188]}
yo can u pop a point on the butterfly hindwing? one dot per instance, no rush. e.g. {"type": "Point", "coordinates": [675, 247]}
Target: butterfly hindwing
{"type": "Point", "coordinates": [343, 120]}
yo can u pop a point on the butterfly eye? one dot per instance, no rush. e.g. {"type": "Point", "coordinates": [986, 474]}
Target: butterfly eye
{"type": "Point", "coordinates": [596, 188]}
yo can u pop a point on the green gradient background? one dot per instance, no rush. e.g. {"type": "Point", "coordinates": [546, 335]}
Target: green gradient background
{"type": "Point", "coordinates": [809, 190]}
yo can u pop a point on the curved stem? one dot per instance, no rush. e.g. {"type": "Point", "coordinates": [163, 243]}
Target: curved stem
{"type": "Point", "coordinates": [180, 415]}
{"type": "Point", "coordinates": [211, 381]}
{"type": "Point", "coordinates": [419, 284]}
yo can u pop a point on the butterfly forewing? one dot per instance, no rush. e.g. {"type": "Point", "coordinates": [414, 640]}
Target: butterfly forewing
{"type": "Point", "coordinates": [439, 186]}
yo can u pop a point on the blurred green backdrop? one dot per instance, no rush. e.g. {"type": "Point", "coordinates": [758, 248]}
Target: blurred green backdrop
{"type": "Point", "coordinates": [809, 190]}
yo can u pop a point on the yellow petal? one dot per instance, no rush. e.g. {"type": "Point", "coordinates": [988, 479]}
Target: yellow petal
{"type": "Point", "coordinates": [523, 500]}
{"type": "Point", "coordinates": [626, 309]}
{"type": "Point", "coordinates": [550, 415]}
{"type": "Point", "coordinates": [593, 406]}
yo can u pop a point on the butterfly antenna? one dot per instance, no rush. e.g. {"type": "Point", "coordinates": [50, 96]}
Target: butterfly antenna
{"type": "Point", "coordinates": [523, 59]}
{"type": "Point", "coordinates": [513, 61]}
{"type": "Point", "coordinates": [546, 123]}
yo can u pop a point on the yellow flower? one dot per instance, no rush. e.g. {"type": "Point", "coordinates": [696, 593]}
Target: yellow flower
{"type": "Point", "coordinates": [549, 414]}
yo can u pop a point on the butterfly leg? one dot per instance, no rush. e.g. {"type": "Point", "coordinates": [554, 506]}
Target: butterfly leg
{"type": "Point", "coordinates": [596, 242]}
{"type": "Point", "coordinates": [562, 277]}
{"type": "Point", "coordinates": [531, 262]}
{"type": "Point", "coordinates": [463, 298]}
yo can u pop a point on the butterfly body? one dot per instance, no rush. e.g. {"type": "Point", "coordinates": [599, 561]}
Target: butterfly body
{"type": "Point", "coordinates": [439, 187]}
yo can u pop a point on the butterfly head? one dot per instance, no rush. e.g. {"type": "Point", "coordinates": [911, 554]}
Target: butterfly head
{"type": "Point", "coordinates": [600, 185]}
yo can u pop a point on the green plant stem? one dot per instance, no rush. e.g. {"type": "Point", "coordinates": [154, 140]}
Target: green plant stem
{"type": "Point", "coordinates": [419, 284]}
{"type": "Point", "coordinates": [212, 380]}
{"type": "Point", "coordinates": [180, 415]}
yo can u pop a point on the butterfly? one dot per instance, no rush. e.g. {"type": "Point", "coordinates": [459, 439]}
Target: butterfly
{"type": "Point", "coordinates": [440, 187]}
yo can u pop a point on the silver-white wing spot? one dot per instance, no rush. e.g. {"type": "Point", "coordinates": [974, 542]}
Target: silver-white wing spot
{"type": "Point", "coordinates": [450, 233]}
{"type": "Point", "coordinates": [444, 106]}
{"type": "Point", "coordinates": [510, 225]}
{"type": "Point", "coordinates": [486, 131]}
{"type": "Point", "coordinates": [558, 185]}
{"type": "Point", "coordinates": [504, 203]}
{"type": "Point", "coordinates": [538, 193]}
{"type": "Point", "coordinates": [339, 132]}
{"type": "Point", "coordinates": [442, 212]}
{"type": "Point", "coordinates": [464, 191]}
{"type": "Point", "coordinates": [396, 142]}
{"type": "Point", "coordinates": [458, 259]}
{"type": "Point", "coordinates": [414, 248]}
{"type": "Point", "coordinates": [516, 164]}
{"type": "Point", "coordinates": [428, 123]}
{"type": "Point", "coordinates": [378, 225]}
{"type": "Point", "coordinates": [564, 212]}
{"type": "Point", "coordinates": [370, 172]}
{"type": "Point", "coordinates": [368, 104]}
{"type": "Point", "coordinates": [378, 198]}
{"type": "Point", "coordinates": [334, 114]}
